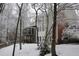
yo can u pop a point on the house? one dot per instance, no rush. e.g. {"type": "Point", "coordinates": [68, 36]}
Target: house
{"type": "Point", "coordinates": [65, 18]}
{"type": "Point", "coordinates": [29, 34]}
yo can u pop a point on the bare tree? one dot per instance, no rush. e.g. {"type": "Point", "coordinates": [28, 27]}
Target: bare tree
{"type": "Point", "coordinates": [47, 22]}
{"type": "Point", "coordinates": [45, 49]}
{"type": "Point", "coordinates": [20, 26]}
{"type": "Point", "coordinates": [54, 31]}
{"type": "Point", "coordinates": [36, 7]}
{"type": "Point", "coordinates": [19, 20]}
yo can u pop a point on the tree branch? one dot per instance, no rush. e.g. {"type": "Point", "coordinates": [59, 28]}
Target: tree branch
{"type": "Point", "coordinates": [18, 5]}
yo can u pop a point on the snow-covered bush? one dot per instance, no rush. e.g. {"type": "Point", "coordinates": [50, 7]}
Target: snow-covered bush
{"type": "Point", "coordinates": [44, 49]}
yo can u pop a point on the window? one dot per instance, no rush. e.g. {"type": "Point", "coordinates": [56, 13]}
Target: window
{"type": "Point", "coordinates": [73, 27]}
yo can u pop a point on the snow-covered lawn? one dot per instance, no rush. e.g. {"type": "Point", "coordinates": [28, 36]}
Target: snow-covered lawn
{"type": "Point", "coordinates": [31, 50]}
{"type": "Point", "coordinates": [27, 50]}
{"type": "Point", "coordinates": [67, 50]}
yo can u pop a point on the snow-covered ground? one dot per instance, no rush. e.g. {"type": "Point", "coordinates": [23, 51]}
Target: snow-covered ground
{"type": "Point", "coordinates": [31, 50]}
{"type": "Point", "coordinates": [27, 50]}
{"type": "Point", "coordinates": [67, 50]}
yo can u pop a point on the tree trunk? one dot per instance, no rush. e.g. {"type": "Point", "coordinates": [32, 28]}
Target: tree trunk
{"type": "Point", "coordinates": [20, 33]}
{"type": "Point", "coordinates": [47, 24]}
{"type": "Point", "coordinates": [37, 28]}
{"type": "Point", "coordinates": [17, 29]}
{"type": "Point", "coordinates": [15, 37]}
{"type": "Point", "coordinates": [45, 48]}
{"type": "Point", "coordinates": [7, 36]}
{"type": "Point", "coordinates": [54, 31]}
